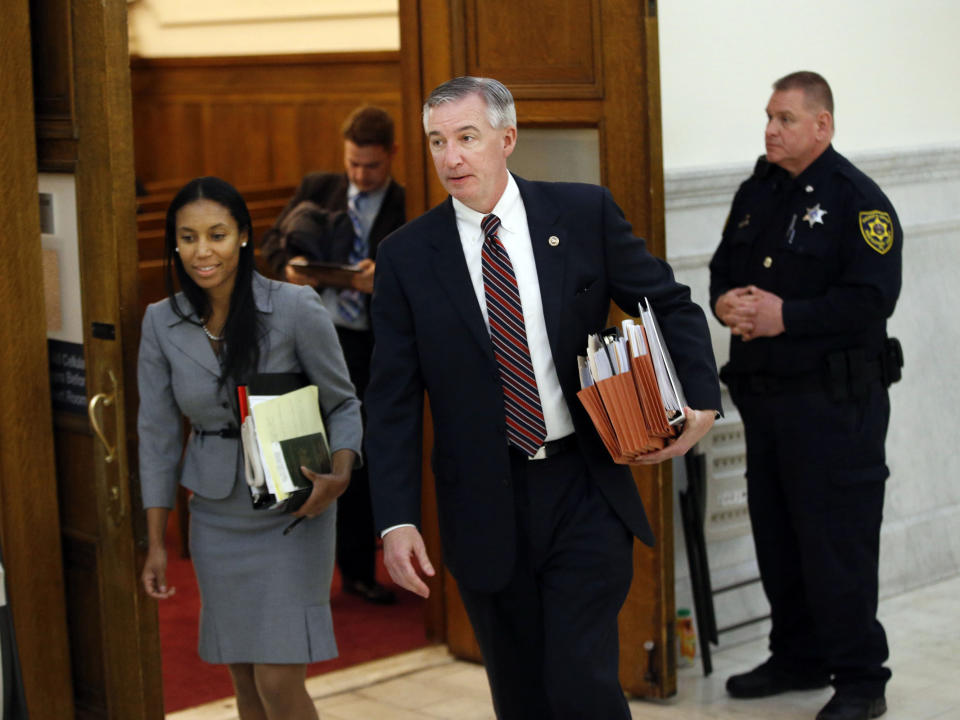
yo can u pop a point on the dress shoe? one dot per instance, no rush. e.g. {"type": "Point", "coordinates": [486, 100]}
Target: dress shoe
{"type": "Point", "coordinates": [767, 679]}
{"type": "Point", "coordinates": [848, 707]}
{"type": "Point", "coordinates": [372, 592]}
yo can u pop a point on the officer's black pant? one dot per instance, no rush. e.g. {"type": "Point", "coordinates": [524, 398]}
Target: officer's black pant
{"type": "Point", "coordinates": [815, 483]}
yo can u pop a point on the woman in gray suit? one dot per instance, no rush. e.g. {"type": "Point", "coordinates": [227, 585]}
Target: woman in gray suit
{"type": "Point", "coordinates": [265, 595]}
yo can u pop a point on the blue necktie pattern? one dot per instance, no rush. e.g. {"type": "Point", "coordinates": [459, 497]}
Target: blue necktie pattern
{"type": "Point", "coordinates": [350, 302]}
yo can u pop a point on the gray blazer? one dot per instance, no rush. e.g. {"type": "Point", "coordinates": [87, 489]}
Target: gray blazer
{"type": "Point", "coordinates": [177, 374]}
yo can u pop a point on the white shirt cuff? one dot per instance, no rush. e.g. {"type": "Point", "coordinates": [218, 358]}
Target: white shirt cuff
{"type": "Point", "coordinates": [394, 527]}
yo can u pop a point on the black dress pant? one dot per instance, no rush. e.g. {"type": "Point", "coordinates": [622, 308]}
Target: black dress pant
{"type": "Point", "coordinates": [549, 638]}
{"type": "Point", "coordinates": [815, 483]}
{"type": "Point", "coordinates": [356, 536]}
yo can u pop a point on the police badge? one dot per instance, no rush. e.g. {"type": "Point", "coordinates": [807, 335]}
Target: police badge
{"type": "Point", "coordinates": [877, 229]}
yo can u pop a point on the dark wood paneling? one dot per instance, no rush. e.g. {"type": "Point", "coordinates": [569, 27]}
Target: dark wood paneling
{"type": "Point", "coordinates": [259, 122]}
{"type": "Point", "coordinates": [53, 69]}
{"type": "Point", "coordinates": [562, 61]}
{"type": "Point", "coordinates": [258, 119]}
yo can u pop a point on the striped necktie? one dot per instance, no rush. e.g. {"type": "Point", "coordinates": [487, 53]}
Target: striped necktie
{"type": "Point", "coordinates": [350, 302]}
{"type": "Point", "coordinates": [521, 398]}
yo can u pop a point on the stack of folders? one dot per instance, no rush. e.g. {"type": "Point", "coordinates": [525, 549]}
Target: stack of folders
{"type": "Point", "coordinates": [279, 433]}
{"type": "Point", "coordinates": [629, 387]}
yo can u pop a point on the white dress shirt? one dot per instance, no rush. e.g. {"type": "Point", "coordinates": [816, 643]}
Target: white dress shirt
{"type": "Point", "coordinates": [514, 233]}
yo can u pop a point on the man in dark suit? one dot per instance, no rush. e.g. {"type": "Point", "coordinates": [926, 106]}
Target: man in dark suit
{"type": "Point", "coordinates": [484, 302]}
{"type": "Point", "coordinates": [375, 205]}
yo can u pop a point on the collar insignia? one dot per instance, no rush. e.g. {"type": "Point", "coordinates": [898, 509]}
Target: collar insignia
{"type": "Point", "coordinates": [877, 229]}
{"type": "Point", "coordinates": [814, 215]}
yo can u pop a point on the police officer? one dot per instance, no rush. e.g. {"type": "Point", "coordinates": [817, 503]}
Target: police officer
{"type": "Point", "coordinates": [805, 277]}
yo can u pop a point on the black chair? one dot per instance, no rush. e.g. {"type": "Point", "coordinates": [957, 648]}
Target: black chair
{"type": "Point", "coordinates": [693, 513]}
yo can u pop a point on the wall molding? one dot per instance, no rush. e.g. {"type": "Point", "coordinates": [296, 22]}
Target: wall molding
{"type": "Point", "coordinates": [700, 187]}
{"type": "Point", "coordinates": [695, 261]}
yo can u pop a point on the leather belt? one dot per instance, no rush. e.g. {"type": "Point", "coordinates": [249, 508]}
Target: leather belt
{"type": "Point", "coordinates": [227, 432]}
{"type": "Point", "coordinates": [554, 447]}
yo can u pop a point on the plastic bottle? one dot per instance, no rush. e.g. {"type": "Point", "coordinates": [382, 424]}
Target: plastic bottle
{"type": "Point", "coordinates": [686, 638]}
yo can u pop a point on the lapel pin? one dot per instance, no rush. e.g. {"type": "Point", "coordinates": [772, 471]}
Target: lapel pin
{"type": "Point", "coordinates": [553, 240]}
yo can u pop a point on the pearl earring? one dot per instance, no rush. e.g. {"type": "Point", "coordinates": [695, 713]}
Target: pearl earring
{"type": "Point", "coordinates": [177, 250]}
{"type": "Point", "coordinates": [243, 244]}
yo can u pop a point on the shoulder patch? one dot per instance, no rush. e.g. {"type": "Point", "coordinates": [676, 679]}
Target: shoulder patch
{"type": "Point", "coordinates": [877, 229]}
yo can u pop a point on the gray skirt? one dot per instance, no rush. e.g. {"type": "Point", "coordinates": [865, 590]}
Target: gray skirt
{"type": "Point", "coordinates": [265, 596]}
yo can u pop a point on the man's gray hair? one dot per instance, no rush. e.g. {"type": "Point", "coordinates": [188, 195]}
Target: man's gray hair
{"type": "Point", "coordinates": [501, 112]}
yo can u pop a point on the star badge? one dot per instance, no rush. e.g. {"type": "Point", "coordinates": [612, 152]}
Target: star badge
{"type": "Point", "coordinates": [814, 215]}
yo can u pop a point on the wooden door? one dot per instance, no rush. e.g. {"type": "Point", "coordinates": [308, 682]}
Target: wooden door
{"type": "Point", "coordinates": [29, 518]}
{"type": "Point", "coordinates": [587, 68]}
{"type": "Point", "coordinates": [88, 635]}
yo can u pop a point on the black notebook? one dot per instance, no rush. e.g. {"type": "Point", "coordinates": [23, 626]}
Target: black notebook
{"type": "Point", "coordinates": [310, 450]}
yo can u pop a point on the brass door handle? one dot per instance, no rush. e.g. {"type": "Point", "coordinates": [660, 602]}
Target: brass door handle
{"type": "Point", "coordinates": [106, 400]}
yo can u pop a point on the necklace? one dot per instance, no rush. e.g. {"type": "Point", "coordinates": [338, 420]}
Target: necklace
{"type": "Point", "coordinates": [215, 338]}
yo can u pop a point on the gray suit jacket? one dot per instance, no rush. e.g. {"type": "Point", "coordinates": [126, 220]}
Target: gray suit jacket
{"type": "Point", "coordinates": [177, 376]}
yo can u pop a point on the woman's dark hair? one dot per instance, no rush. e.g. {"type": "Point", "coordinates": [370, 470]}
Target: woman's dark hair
{"type": "Point", "coordinates": [241, 351]}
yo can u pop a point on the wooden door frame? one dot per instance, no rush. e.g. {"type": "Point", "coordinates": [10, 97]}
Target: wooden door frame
{"type": "Point", "coordinates": [435, 29]}
{"type": "Point", "coordinates": [106, 210]}
{"type": "Point", "coordinates": [29, 517]}
{"type": "Point", "coordinates": [80, 125]}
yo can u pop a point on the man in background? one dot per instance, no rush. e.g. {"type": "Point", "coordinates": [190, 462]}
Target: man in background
{"type": "Point", "coordinates": [374, 203]}
{"type": "Point", "coordinates": [805, 277]}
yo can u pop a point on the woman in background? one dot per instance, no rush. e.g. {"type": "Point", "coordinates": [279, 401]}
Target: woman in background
{"type": "Point", "coordinates": [265, 595]}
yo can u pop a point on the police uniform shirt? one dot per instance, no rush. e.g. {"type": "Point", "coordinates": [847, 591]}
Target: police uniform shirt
{"type": "Point", "coordinates": [829, 243]}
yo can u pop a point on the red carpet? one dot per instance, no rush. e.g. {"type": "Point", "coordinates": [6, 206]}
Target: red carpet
{"type": "Point", "coordinates": [364, 632]}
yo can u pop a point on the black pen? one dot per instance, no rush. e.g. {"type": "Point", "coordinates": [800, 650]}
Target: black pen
{"type": "Point", "coordinates": [292, 525]}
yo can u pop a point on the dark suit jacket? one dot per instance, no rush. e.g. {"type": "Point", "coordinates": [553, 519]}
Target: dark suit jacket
{"type": "Point", "coordinates": [431, 336]}
{"type": "Point", "coordinates": [329, 191]}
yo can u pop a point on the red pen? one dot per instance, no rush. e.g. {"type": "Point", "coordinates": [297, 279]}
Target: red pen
{"type": "Point", "coordinates": [242, 397]}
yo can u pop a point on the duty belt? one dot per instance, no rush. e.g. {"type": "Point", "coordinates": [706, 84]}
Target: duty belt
{"type": "Point", "coordinates": [838, 387]}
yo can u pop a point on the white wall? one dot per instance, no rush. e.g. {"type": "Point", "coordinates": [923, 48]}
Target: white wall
{"type": "Point", "coordinates": [891, 67]}
{"type": "Point", "coordinates": [891, 64]}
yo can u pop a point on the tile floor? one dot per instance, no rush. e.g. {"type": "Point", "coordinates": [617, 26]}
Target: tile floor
{"type": "Point", "coordinates": [923, 629]}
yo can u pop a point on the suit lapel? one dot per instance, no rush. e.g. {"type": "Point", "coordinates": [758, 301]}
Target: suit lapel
{"type": "Point", "coordinates": [454, 277]}
{"type": "Point", "coordinates": [549, 242]}
{"type": "Point", "coordinates": [190, 340]}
